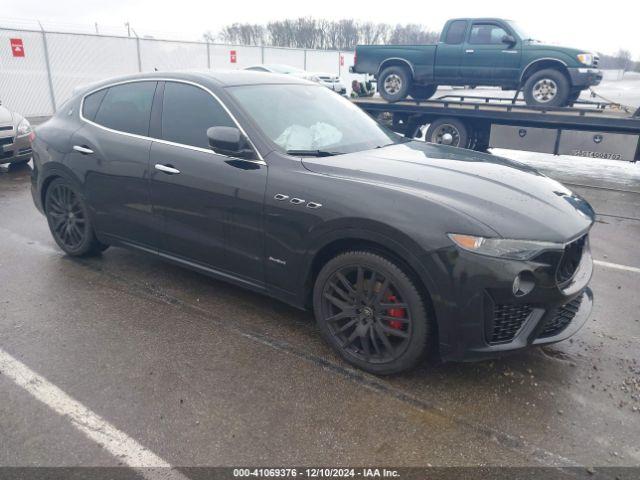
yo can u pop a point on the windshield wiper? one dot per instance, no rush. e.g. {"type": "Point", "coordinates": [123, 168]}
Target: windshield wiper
{"type": "Point", "coordinates": [312, 153]}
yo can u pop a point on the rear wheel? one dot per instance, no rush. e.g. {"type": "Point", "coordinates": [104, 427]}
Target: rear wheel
{"type": "Point", "coordinates": [449, 131]}
{"type": "Point", "coordinates": [69, 221]}
{"type": "Point", "coordinates": [394, 83]}
{"type": "Point", "coordinates": [423, 92]}
{"type": "Point", "coordinates": [547, 88]}
{"type": "Point", "coordinates": [371, 313]}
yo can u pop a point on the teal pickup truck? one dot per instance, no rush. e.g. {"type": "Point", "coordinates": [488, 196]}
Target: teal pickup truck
{"type": "Point", "coordinates": [481, 52]}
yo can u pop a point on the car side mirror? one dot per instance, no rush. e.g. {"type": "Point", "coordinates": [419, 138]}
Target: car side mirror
{"type": "Point", "coordinates": [509, 40]}
{"type": "Point", "coordinates": [229, 141]}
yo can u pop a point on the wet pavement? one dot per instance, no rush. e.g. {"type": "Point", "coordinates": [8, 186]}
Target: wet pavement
{"type": "Point", "coordinates": [204, 373]}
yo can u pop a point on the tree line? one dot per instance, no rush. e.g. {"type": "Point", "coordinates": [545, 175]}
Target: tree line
{"type": "Point", "coordinates": [322, 34]}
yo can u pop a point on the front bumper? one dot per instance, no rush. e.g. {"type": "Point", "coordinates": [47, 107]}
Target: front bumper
{"type": "Point", "coordinates": [15, 149]}
{"type": "Point", "coordinates": [585, 77]}
{"type": "Point", "coordinates": [482, 317]}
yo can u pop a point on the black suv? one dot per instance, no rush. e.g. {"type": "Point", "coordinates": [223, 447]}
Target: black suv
{"type": "Point", "coordinates": [281, 186]}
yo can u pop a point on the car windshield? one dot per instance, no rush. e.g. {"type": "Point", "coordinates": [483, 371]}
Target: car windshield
{"type": "Point", "coordinates": [521, 32]}
{"type": "Point", "coordinates": [311, 119]}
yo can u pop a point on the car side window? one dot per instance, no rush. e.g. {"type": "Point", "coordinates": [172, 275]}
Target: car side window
{"type": "Point", "coordinates": [127, 107]}
{"type": "Point", "coordinates": [91, 104]}
{"type": "Point", "coordinates": [187, 113]}
{"type": "Point", "coordinates": [486, 34]}
{"type": "Point", "coordinates": [455, 34]}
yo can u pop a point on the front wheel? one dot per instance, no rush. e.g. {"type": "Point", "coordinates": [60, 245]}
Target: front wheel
{"type": "Point", "coordinates": [68, 217]}
{"type": "Point", "coordinates": [371, 312]}
{"type": "Point", "coordinates": [394, 83]}
{"type": "Point", "coordinates": [547, 88]}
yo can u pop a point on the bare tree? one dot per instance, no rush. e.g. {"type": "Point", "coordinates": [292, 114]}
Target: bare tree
{"type": "Point", "coordinates": [624, 61]}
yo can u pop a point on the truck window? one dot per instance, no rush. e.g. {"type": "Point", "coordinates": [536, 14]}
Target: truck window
{"type": "Point", "coordinates": [455, 35]}
{"type": "Point", "coordinates": [486, 34]}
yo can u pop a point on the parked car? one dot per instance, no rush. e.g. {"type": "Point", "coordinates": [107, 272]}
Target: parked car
{"type": "Point", "coordinates": [400, 247]}
{"type": "Point", "coordinates": [481, 52]}
{"type": "Point", "coordinates": [15, 131]}
{"type": "Point", "coordinates": [329, 80]}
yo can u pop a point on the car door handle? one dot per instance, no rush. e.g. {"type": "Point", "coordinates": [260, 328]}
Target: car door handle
{"type": "Point", "coordinates": [167, 169]}
{"type": "Point", "coordinates": [470, 50]}
{"type": "Point", "coordinates": [82, 149]}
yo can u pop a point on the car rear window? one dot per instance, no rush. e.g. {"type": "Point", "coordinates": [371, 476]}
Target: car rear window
{"type": "Point", "coordinates": [127, 107]}
{"type": "Point", "coordinates": [92, 103]}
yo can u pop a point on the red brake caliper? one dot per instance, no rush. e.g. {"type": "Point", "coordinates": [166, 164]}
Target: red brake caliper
{"type": "Point", "coordinates": [395, 312]}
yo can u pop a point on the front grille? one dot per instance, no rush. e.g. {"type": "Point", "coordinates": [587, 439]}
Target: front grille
{"type": "Point", "coordinates": [561, 318]}
{"type": "Point", "coordinates": [507, 320]}
{"type": "Point", "coordinates": [570, 260]}
{"type": "Point", "coordinates": [5, 141]}
{"type": "Point", "coordinates": [4, 128]}
{"type": "Point", "coordinates": [596, 61]}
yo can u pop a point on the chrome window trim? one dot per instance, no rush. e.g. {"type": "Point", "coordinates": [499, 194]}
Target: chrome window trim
{"type": "Point", "coordinates": [260, 160]}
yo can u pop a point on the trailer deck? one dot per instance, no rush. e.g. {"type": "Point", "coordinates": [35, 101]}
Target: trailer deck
{"type": "Point", "coordinates": [588, 128]}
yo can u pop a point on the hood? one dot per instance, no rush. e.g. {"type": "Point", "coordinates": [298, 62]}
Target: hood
{"type": "Point", "coordinates": [6, 117]}
{"type": "Point", "coordinates": [571, 51]}
{"type": "Point", "coordinates": [514, 200]}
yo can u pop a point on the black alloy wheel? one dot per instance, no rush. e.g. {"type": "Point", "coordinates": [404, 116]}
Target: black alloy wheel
{"type": "Point", "coordinates": [371, 313]}
{"type": "Point", "coordinates": [69, 220]}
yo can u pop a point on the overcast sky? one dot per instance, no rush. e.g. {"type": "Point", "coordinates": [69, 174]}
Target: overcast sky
{"type": "Point", "coordinates": [602, 26]}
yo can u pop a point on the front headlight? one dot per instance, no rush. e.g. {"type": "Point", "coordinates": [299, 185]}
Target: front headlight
{"type": "Point", "coordinates": [586, 59]}
{"type": "Point", "coordinates": [24, 128]}
{"type": "Point", "coordinates": [502, 247]}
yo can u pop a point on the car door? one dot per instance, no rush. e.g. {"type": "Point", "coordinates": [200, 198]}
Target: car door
{"type": "Point", "coordinates": [211, 205]}
{"type": "Point", "coordinates": [449, 53]}
{"type": "Point", "coordinates": [111, 153]}
{"type": "Point", "coordinates": [487, 59]}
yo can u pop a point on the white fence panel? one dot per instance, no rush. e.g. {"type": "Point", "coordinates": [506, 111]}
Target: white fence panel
{"type": "Point", "coordinates": [164, 55]}
{"type": "Point", "coordinates": [222, 55]}
{"type": "Point", "coordinates": [323, 62]}
{"type": "Point", "coordinates": [285, 56]}
{"type": "Point", "coordinates": [24, 86]}
{"type": "Point", "coordinates": [79, 60]}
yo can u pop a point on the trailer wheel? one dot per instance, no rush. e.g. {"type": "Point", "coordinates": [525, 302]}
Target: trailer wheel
{"type": "Point", "coordinates": [423, 92]}
{"type": "Point", "coordinates": [449, 131]}
{"type": "Point", "coordinates": [547, 88]}
{"type": "Point", "coordinates": [394, 83]}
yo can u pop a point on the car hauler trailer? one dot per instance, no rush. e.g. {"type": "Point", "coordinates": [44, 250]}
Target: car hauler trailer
{"type": "Point", "coordinates": [586, 129]}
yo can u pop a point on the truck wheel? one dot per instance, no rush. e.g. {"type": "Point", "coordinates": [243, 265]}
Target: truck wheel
{"type": "Point", "coordinates": [448, 131]}
{"type": "Point", "coordinates": [422, 92]}
{"type": "Point", "coordinates": [394, 83]}
{"type": "Point", "coordinates": [547, 88]}
{"type": "Point", "coordinates": [573, 97]}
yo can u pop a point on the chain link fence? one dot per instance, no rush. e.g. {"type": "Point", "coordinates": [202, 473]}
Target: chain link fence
{"type": "Point", "coordinates": [39, 69]}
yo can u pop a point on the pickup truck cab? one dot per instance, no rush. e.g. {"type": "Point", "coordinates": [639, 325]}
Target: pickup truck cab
{"type": "Point", "coordinates": [481, 52]}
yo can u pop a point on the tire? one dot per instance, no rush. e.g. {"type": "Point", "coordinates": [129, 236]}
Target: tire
{"type": "Point", "coordinates": [69, 220]}
{"type": "Point", "coordinates": [460, 135]}
{"type": "Point", "coordinates": [423, 92]}
{"type": "Point", "coordinates": [573, 97]}
{"type": "Point", "coordinates": [547, 88]}
{"type": "Point", "coordinates": [362, 323]}
{"type": "Point", "coordinates": [394, 83]}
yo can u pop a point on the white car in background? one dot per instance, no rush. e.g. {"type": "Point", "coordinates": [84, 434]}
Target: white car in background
{"type": "Point", "coordinates": [329, 80]}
